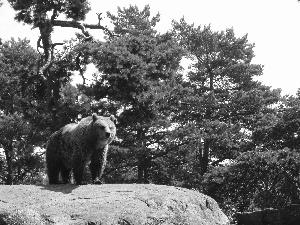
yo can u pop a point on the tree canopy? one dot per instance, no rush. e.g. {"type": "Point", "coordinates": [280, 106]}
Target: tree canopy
{"type": "Point", "coordinates": [225, 99]}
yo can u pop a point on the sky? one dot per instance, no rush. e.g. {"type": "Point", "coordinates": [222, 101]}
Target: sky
{"type": "Point", "coordinates": [273, 25]}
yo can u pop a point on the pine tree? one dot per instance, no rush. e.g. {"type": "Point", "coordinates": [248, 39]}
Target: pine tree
{"type": "Point", "coordinates": [225, 101]}
{"type": "Point", "coordinates": [43, 15]}
{"type": "Point", "coordinates": [138, 72]}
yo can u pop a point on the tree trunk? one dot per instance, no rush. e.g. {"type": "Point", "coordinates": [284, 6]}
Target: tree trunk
{"type": "Point", "coordinates": [294, 190]}
{"type": "Point", "coordinates": [140, 171]}
{"type": "Point", "coordinates": [143, 158]}
{"type": "Point", "coordinates": [204, 153]}
{"type": "Point", "coordinates": [143, 169]}
{"type": "Point", "coordinates": [8, 154]}
{"type": "Point", "coordinates": [204, 157]}
{"type": "Point", "coordinates": [52, 84]}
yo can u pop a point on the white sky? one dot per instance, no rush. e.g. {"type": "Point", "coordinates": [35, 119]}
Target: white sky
{"type": "Point", "coordinates": [273, 25]}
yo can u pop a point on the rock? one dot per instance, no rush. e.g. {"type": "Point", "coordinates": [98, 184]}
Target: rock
{"type": "Point", "coordinates": [108, 204]}
{"type": "Point", "coordinates": [25, 216]}
{"type": "Point", "coordinates": [289, 215]}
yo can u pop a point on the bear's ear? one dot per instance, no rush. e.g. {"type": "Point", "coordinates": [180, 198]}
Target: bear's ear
{"type": "Point", "coordinates": [94, 116]}
{"type": "Point", "coordinates": [113, 118]}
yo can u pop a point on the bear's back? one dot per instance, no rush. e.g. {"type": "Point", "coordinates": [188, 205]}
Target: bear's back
{"type": "Point", "coordinates": [85, 133]}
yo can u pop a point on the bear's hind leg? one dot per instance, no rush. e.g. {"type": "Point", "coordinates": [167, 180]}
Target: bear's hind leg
{"type": "Point", "coordinates": [53, 157]}
{"type": "Point", "coordinates": [78, 173]}
{"type": "Point", "coordinates": [65, 174]}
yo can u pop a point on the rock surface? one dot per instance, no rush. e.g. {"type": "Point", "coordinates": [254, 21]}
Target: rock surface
{"type": "Point", "coordinates": [108, 204]}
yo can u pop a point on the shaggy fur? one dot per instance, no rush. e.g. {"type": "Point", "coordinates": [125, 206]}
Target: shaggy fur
{"type": "Point", "coordinates": [74, 145]}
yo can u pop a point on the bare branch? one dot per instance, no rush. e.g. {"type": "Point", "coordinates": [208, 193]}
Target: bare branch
{"type": "Point", "coordinates": [81, 26]}
{"type": "Point", "coordinates": [59, 43]}
{"type": "Point", "coordinates": [99, 18]}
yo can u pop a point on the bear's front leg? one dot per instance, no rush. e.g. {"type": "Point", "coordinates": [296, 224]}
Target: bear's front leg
{"type": "Point", "coordinates": [78, 168]}
{"type": "Point", "coordinates": [98, 163]}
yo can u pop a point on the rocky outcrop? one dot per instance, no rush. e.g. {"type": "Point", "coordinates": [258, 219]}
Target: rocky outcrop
{"type": "Point", "coordinates": [289, 215]}
{"type": "Point", "coordinates": [108, 204]}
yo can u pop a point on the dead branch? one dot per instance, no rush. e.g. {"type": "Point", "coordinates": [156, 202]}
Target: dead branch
{"type": "Point", "coordinates": [59, 43]}
{"type": "Point", "coordinates": [99, 18]}
{"type": "Point", "coordinates": [81, 26]}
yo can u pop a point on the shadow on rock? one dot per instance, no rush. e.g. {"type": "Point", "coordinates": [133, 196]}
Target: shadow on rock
{"type": "Point", "coordinates": [63, 188]}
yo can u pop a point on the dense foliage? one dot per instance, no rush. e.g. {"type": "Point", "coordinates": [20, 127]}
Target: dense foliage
{"type": "Point", "coordinates": [212, 127]}
{"type": "Point", "coordinates": [256, 180]}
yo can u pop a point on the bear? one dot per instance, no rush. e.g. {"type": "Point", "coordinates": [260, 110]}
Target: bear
{"type": "Point", "coordinates": [75, 145]}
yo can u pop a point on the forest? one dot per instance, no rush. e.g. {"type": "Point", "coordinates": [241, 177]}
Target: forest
{"type": "Point", "coordinates": [212, 127]}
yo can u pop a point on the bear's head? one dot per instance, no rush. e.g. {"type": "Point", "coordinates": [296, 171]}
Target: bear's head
{"type": "Point", "coordinates": [104, 128]}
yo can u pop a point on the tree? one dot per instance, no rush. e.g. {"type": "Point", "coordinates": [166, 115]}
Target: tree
{"type": "Point", "coordinates": [138, 76]}
{"type": "Point", "coordinates": [12, 130]}
{"type": "Point", "coordinates": [225, 101]}
{"type": "Point", "coordinates": [19, 84]}
{"type": "Point", "coordinates": [20, 99]}
{"type": "Point", "coordinates": [44, 16]}
{"type": "Point", "coordinates": [22, 90]}
{"type": "Point", "coordinates": [22, 164]}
